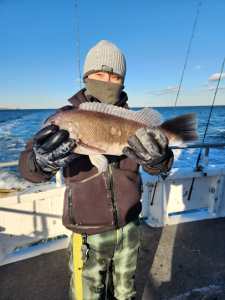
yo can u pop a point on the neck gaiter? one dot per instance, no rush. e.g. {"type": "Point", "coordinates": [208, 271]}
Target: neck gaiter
{"type": "Point", "coordinates": [105, 91]}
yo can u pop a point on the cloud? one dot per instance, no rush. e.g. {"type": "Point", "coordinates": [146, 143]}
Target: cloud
{"type": "Point", "coordinates": [212, 88]}
{"type": "Point", "coordinates": [165, 91]}
{"type": "Point", "coordinates": [209, 87]}
{"type": "Point", "coordinates": [216, 76]}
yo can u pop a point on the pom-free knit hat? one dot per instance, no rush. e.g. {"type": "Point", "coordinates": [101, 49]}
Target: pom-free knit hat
{"type": "Point", "coordinates": [105, 56]}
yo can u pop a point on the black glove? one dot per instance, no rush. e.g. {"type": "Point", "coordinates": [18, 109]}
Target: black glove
{"type": "Point", "coordinates": [53, 148]}
{"type": "Point", "coordinates": [149, 148]}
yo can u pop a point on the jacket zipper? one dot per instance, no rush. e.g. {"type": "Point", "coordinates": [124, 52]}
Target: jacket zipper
{"type": "Point", "coordinates": [70, 206]}
{"type": "Point", "coordinates": [115, 211]}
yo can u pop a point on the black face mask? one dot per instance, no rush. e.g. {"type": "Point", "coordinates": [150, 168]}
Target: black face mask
{"type": "Point", "coordinates": [105, 91]}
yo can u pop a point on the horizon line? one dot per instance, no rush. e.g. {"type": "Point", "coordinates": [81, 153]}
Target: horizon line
{"type": "Point", "coordinates": [161, 106]}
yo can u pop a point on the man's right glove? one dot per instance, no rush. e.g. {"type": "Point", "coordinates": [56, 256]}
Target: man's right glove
{"type": "Point", "coordinates": [53, 148]}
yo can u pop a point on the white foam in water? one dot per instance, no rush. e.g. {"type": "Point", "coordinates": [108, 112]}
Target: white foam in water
{"type": "Point", "coordinates": [177, 153]}
{"type": "Point", "coordinates": [221, 130]}
{"type": "Point", "coordinates": [11, 181]}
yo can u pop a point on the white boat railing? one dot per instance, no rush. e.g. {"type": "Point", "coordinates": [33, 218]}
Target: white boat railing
{"type": "Point", "coordinates": [31, 220]}
{"type": "Point", "coordinates": [205, 146]}
{"type": "Point", "coordinates": [9, 164]}
{"type": "Point", "coordinates": [186, 195]}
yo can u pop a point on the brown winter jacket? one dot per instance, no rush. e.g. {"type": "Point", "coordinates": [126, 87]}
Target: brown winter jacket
{"type": "Point", "coordinates": [94, 204]}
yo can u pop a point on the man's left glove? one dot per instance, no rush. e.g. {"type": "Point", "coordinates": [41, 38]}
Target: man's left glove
{"type": "Point", "coordinates": [149, 148]}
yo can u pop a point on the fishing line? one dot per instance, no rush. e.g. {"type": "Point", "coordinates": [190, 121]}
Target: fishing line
{"type": "Point", "coordinates": [188, 51]}
{"type": "Point", "coordinates": [214, 98]}
{"type": "Point", "coordinates": [206, 128]}
{"type": "Point", "coordinates": [77, 39]}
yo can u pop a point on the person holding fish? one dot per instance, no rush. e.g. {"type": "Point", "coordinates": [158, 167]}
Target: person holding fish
{"type": "Point", "coordinates": [99, 144]}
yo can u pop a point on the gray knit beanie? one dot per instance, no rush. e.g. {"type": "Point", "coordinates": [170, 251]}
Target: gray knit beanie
{"type": "Point", "coordinates": [105, 56]}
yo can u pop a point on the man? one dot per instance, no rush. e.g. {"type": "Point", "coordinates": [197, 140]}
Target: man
{"type": "Point", "coordinates": [102, 211]}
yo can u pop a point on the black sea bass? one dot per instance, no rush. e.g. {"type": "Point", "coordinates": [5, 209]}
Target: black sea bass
{"type": "Point", "coordinates": [100, 128]}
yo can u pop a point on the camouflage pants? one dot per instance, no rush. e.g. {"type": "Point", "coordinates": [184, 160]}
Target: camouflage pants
{"type": "Point", "coordinates": [90, 263]}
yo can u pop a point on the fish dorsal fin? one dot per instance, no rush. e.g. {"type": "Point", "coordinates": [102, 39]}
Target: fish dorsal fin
{"type": "Point", "coordinates": [146, 116]}
{"type": "Point", "coordinates": [149, 117]}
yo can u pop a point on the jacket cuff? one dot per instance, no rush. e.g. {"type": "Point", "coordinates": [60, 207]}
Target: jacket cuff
{"type": "Point", "coordinates": [163, 167]}
{"type": "Point", "coordinates": [30, 170]}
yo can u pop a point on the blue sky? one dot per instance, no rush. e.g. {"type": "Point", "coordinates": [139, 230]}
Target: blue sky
{"type": "Point", "coordinates": [38, 54]}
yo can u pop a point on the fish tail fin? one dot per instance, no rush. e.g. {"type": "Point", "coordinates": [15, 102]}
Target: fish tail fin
{"type": "Point", "coordinates": [182, 128]}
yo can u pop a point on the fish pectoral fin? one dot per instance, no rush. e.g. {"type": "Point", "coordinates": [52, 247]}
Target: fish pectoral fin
{"type": "Point", "coordinates": [99, 161]}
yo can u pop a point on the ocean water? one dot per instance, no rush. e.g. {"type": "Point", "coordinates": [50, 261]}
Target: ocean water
{"type": "Point", "coordinates": [18, 126]}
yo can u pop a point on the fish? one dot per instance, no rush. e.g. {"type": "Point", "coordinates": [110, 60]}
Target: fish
{"type": "Point", "coordinates": [101, 129]}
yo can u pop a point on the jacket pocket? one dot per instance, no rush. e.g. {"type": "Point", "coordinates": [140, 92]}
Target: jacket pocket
{"type": "Point", "coordinates": [128, 190]}
{"type": "Point", "coordinates": [89, 203]}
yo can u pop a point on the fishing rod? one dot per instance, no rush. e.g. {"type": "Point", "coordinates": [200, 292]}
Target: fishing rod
{"type": "Point", "coordinates": [187, 55]}
{"type": "Point", "coordinates": [206, 129]}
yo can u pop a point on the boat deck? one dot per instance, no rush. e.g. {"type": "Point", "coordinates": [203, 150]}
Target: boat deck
{"type": "Point", "coordinates": [182, 262]}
